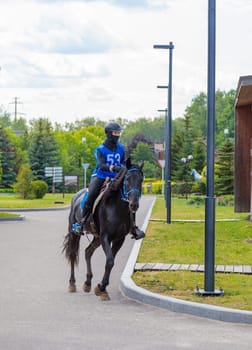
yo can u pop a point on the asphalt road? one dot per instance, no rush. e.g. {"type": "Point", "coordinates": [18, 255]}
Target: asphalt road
{"type": "Point", "coordinates": [37, 312]}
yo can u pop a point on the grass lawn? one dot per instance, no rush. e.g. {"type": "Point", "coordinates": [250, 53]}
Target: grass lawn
{"type": "Point", "coordinates": [183, 243]}
{"type": "Point", "coordinates": [15, 202]}
{"type": "Point", "coordinates": [49, 200]}
{"type": "Point", "coordinates": [8, 215]}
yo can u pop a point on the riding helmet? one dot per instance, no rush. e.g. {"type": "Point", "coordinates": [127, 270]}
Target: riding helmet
{"type": "Point", "coordinates": [112, 126]}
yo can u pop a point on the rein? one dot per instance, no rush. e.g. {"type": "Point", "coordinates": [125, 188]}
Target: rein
{"type": "Point", "coordinates": [126, 193]}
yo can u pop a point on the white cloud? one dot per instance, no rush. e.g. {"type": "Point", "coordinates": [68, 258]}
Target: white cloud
{"type": "Point", "coordinates": [70, 59]}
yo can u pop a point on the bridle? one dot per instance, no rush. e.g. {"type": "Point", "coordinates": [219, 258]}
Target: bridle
{"type": "Point", "coordinates": [125, 194]}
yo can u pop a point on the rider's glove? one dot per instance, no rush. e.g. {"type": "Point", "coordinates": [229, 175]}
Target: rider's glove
{"type": "Point", "coordinates": [116, 168]}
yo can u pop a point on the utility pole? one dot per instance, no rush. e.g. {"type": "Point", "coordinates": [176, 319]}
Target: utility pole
{"type": "Point", "coordinates": [16, 102]}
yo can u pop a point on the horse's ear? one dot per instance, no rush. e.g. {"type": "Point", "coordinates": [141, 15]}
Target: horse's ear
{"type": "Point", "coordinates": [141, 165]}
{"type": "Point", "coordinates": [128, 163]}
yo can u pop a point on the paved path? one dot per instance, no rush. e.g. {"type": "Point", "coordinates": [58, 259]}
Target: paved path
{"type": "Point", "coordinates": [37, 312]}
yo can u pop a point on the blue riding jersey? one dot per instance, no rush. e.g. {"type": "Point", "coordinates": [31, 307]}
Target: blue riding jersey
{"type": "Point", "coordinates": [111, 158]}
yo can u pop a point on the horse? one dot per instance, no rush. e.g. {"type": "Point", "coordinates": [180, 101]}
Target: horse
{"type": "Point", "coordinates": [110, 222]}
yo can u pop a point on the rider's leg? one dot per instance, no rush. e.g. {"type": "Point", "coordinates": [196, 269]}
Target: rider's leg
{"type": "Point", "coordinates": [93, 191]}
{"type": "Point", "coordinates": [135, 231]}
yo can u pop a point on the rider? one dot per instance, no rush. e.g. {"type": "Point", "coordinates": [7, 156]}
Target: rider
{"type": "Point", "coordinates": [110, 159]}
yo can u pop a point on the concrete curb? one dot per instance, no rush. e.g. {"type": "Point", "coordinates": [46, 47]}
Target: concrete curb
{"type": "Point", "coordinates": [22, 217]}
{"type": "Point", "coordinates": [33, 209]}
{"type": "Point", "coordinates": [9, 218]}
{"type": "Point", "coordinates": [130, 290]}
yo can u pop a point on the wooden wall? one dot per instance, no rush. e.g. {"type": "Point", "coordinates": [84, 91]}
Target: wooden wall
{"type": "Point", "coordinates": [243, 134]}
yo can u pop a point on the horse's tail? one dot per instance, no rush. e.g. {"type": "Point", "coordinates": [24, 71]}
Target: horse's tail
{"type": "Point", "coordinates": [71, 246]}
{"type": "Point", "coordinates": [71, 241]}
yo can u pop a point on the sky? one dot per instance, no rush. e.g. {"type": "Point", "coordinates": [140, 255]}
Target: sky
{"type": "Point", "coordinates": [67, 60]}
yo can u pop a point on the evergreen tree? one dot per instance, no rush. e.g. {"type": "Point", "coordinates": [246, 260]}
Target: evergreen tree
{"type": "Point", "coordinates": [199, 156]}
{"type": "Point", "coordinates": [183, 167]}
{"type": "Point", "coordinates": [177, 145]}
{"type": "Point", "coordinates": [7, 159]}
{"type": "Point", "coordinates": [43, 150]}
{"type": "Point", "coordinates": [224, 170]}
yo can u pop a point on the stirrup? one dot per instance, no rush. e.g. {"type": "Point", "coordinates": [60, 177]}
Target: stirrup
{"type": "Point", "coordinates": [77, 229]}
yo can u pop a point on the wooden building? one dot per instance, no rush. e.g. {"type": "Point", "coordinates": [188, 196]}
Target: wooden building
{"type": "Point", "coordinates": [243, 144]}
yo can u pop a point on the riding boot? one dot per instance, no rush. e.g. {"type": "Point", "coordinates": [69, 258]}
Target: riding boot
{"type": "Point", "coordinates": [85, 214]}
{"type": "Point", "coordinates": [77, 228]}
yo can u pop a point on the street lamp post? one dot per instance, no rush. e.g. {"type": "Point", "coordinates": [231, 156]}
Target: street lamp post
{"type": "Point", "coordinates": [209, 288]}
{"type": "Point", "coordinates": [163, 164]}
{"type": "Point", "coordinates": [168, 133]}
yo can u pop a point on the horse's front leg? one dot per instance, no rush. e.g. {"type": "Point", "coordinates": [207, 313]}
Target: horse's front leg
{"type": "Point", "coordinates": [100, 289]}
{"type": "Point", "coordinates": [110, 259]}
{"type": "Point", "coordinates": [89, 251]}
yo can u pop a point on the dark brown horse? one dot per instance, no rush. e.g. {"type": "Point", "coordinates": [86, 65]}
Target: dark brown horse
{"type": "Point", "coordinates": [111, 222]}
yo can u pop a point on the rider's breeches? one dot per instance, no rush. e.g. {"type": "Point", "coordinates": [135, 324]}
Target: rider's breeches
{"type": "Point", "coordinates": [93, 191]}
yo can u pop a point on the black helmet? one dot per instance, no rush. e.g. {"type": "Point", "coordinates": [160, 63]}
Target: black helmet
{"type": "Point", "coordinates": [112, 126]}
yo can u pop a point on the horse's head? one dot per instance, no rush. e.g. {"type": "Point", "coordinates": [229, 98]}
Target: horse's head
{"type": "Point", "coordinates": [132, 186]}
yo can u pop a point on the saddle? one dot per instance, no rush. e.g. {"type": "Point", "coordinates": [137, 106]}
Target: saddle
{"type": "Point", "coordinates": [109, 186]}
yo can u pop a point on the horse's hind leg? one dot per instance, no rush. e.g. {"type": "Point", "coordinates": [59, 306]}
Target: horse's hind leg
{"type": "Point", "coordinates": [72, 285]}
{"type": "Point", "coordinates": [89, 251]}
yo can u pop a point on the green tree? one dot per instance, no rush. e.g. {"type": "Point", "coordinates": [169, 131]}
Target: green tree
{"type": "Point", "coordinates": [143, 152]}
{"type": "Point", "coordinates": [224, 170]}
{"type": "Point", "coordinates": [7, 159]}
{"type": "Point", "coordinates": [196, 112]}
{"type": "Point", "coordinates": [183, 168]}
{"type": "Point", "coordinates": [136, 139]}
{"type": "Point", "coordinates": [78, 147]}
{"type": "Point", "coordinates": [224, 116]}
{"type": "Point", "coordinates": [43, 151]}
{"type": "Point", "coordinates": [199, 156]}
{"type": "Point", "coordinates": [152, 130]}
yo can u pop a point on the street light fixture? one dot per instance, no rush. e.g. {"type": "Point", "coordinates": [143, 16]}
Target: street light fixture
{"type": "Point", "coordinates": [170, 47]}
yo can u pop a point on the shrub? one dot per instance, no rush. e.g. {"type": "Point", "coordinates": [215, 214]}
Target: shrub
{"type": "Point", "coordinates": [182, 188]}
{"type": "Point", "coordinates": [152, 186]}
{"type": "Point", "coordinates": [227, 201]}
{"type": "Point", "coordinates": [24, 178]}
{"type": "Point", "coordinates": [196, 201]}
{"type": "Point", "coordinates": [38, 188]}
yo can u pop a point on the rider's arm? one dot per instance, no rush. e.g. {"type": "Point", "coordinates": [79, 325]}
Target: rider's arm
{"type": "Point", "coordinates": [101, 161]}
{"type": "Point", "coordinates": [102, 164]}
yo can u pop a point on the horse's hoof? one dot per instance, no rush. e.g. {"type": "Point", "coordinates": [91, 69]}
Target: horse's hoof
{"type": "Point", "coordinates": [86, 288]}
{"type": "Point", "coordinates": [72, 288]}
{"type": "Point", "coordinates": [103, 294]}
